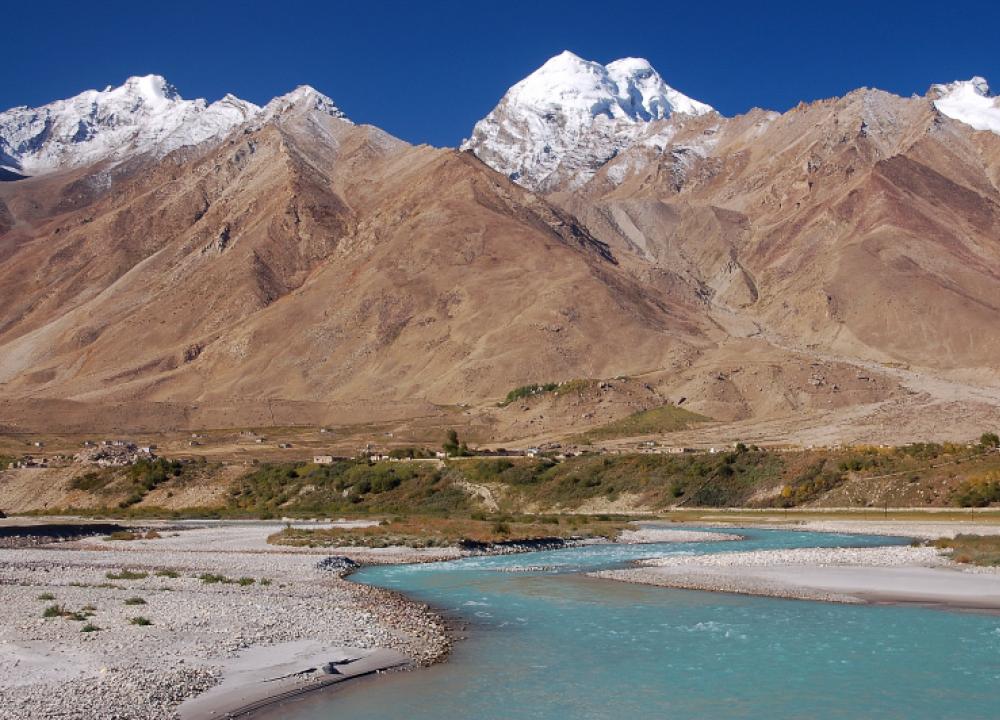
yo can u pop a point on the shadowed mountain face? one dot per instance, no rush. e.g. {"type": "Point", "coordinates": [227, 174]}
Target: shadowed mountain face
{"type": "Point", "coordinates": [825, 265]}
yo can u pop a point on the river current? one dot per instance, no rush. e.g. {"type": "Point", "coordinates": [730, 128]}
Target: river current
{"type": "Point", "coordinates": [550, 643]}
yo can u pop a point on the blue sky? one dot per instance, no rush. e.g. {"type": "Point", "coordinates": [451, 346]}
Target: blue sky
{"type": "Point", "coordinates": [427, 71]}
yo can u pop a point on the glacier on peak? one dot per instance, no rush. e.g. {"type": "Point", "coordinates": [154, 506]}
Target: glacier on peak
{"type": "Point", "coordinates": [144, 115]}
{"type": "Point", "coordinates": [571, 116]}
{"type": "Point", "coordinates": [970, 102]}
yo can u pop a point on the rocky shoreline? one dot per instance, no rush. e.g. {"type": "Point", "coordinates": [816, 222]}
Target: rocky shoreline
{"type": "Point", "coordinates": [130, 630]}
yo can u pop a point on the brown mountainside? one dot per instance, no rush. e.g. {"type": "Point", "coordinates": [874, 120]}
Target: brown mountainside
{"type": "Point", "coordinates": [828, 274]}
{"type": "Point", "coordinates": [315, 260]}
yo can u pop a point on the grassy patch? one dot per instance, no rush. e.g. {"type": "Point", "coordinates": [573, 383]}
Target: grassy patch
{"type": "Point", "coordinates": [973, 549]}
{"type": "Point", "coordinates": [53, 611]}
{"type": "Point", "coordinates": [664, 419]}
{"type": "Point", "coordinates": [526, 391]}
{"type": "Point", "coordinates": [92, 481]}
{"type": "Point", "coordinates": [46, 596]}
{"type": "Point", "coordinates": [167, 573]}
{"type": "Point", "coordinates": [89, 628]}
{"type": "Point", "coordinates": [140, 620]}
{"type": "Point", "coordinates": [135, 601]}
{"type": "Point", "coordinates": [213, 579]}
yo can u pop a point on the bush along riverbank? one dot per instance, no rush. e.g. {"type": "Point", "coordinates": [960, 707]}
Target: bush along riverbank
{"type": "Point", "coordinates": [922, 475]}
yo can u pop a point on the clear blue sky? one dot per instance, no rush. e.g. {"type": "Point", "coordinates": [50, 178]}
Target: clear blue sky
{"type": "Point", "coordinates": [426, 71]}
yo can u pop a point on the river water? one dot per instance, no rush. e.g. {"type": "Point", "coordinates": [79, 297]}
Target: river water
{"type": "Point", "coordinates": [553, 644]}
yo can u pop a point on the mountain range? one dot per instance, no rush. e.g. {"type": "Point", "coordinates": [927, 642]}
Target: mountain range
{"type": "Point", "coordinates": [822, 275]}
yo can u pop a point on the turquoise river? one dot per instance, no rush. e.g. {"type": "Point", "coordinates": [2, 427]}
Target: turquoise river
{"type": "Point", "coordinates": [553, 644]}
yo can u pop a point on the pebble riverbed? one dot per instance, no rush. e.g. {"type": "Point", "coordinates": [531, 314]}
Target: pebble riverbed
{"type": "Point", "coordinates": [50, 668]}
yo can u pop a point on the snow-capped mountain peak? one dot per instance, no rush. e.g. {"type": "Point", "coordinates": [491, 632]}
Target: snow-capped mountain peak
{"type": "Point", "coordinates": [969, 101]}
{"type": "Point", "coordinates": [303, 97]}
{"type": "Point", "coordinates": [143, 115]}
{"type": "Point", "coordinates": [571, 116]}
{"type": "Point", "coordinates": [651, 98]}
{"type": "Point", "coordinates": [153, 90]}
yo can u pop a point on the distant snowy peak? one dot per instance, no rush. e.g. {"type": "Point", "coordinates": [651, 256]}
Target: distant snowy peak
{"type": "Point", "coordinates": [969, 101]}
{"type": "Point", "coordinates": [305, 98]}
{"type": "Point", "coordinates": [628, 89]}
{"type": "Point", "coordinates": [571, 115]}
{"type": "Point", "coordinates": [145, 115]}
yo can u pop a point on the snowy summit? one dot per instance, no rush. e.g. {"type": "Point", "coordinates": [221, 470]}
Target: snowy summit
{"type": "Point", "coordinates": [145, 115]}
{"type": "Point", "coordinates": [969, 101]}
{"type": "Point", "coordinates": [571, 116]}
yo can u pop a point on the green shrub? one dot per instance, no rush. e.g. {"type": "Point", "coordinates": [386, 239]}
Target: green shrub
{"type": "Point", "coordinates": [977, 491]}
{"type": "Point", "coordinates": [140, 620]}
{"type": "Point", "coordinates": [55, 611]}
{"type": "Point", "coordinates": [46, 596]}
{"type": "Point", "coordinates": [453, 447]}
{"type": "Point", "coordinates": [244, 581]}
{"type": "Point", "coordinates": [89, 628]}
{"type": "Point", "coordinates": [527, 391]}
{"type": "Point", "coordinates": [167, 573]}
{"type": "Point", "coordinates": [135, 601]}
{"type": "Point", "coordinates": [91, 481]}
{"type": "Point", "coordinates": [809, 485]}
{"type": "Point", "coordinates": [212, 578]}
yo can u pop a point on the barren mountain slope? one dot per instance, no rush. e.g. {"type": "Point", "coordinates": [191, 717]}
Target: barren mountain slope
{"type": "Point", "coordinates": [867, 226]}
{"type": "Point", "coordinates": [314, 260]}
{"type": "Point", "coordinates": [823, 275]}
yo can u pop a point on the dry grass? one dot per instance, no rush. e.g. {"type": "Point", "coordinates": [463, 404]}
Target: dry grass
{"type": "Point", "coordinates": [665, 419]}
{"type": "Point", "coordinates": [973, 549]}
{"type": "Point", "coordinates": [448, 532]}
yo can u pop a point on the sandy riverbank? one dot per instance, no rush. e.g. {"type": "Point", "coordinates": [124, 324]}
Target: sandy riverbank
{"type": "Point", "coordinates": [288, 619]}
{"type": "Point", "coordinates": [917, 575]}
{"type": "Point", "coordinates": [918, 529]}
{"type": "Point", "coordinates": [651, 534]}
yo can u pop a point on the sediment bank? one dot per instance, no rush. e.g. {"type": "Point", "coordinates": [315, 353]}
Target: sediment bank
{"type": "Point", "coordinates": [902, 575]}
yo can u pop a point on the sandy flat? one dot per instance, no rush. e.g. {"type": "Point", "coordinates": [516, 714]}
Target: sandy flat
{"type": "Point", "coordinates": [874, 575]}
{"type": "Point", "coordinates": [264, 675]}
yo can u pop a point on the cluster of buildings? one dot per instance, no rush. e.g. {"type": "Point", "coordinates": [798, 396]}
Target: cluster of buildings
{"type": "Point", "coordinates": [114, 453]}
{"type": "Point", "coordinates": [30, 461]}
